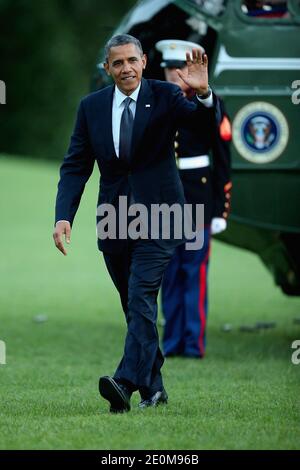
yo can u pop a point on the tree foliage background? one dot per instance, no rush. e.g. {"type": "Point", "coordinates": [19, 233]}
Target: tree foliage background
{"type": "Point", "coordinates": [48, 52]}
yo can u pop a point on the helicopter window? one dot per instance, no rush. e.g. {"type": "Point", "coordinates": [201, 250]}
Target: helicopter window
{"type": "Point", "coordinates": [271, 9]}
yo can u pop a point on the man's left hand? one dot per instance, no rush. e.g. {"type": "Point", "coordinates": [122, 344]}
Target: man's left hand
{"type": "Point", "coordinates": [196, 74]}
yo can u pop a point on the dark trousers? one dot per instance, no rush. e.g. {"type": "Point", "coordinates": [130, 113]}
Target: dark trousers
{"type": "Point", "coordinates": [137, 274]}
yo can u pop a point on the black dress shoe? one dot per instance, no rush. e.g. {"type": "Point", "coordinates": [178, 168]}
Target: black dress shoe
{"type": "Point", "coordinates": [158, 398]}
{"type": "Point", "coordinates": [117, 394]}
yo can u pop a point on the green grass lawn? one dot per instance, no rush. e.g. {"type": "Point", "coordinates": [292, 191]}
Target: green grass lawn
{"type": "Point", "coordinates": [243, 395]}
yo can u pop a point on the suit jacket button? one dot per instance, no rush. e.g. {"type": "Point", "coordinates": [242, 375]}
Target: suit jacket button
{"type": "Point", "coordinates": [176, 154]}
{"type": "Point", "coordinates": [204, 180]}
{"type": "Point", "coordinates": [176, 144]}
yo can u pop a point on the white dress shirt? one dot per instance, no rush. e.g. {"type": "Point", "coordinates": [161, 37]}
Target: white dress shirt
{"type": "Point", "coordinates": [117, 110]}
{"type": "Point", "coordinates": [207, 102]}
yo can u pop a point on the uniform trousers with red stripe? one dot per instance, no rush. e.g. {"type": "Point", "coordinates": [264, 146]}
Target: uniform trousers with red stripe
{"type": "Point", "coordinates": [184, 301]}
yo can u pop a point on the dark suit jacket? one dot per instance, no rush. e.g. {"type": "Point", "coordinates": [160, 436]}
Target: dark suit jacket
{"type": "Point", "coordinates": [151, 175]}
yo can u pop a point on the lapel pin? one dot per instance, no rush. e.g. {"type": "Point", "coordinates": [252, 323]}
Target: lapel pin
{"type": "Point", "coordinates": [147, 105]}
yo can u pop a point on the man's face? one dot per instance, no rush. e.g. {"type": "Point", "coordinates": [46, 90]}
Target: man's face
{"type": "Point", "coordinates": [125, 65]}
{"type": "Point", "coordinates": [173, 77]}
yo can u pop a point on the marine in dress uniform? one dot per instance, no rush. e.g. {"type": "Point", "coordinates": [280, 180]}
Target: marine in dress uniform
{"type": "Point", "coordinates": [206, 180]}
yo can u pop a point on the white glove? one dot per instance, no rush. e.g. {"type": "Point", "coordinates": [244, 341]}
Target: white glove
{"type": "Point", "coordinates": [218, 225]}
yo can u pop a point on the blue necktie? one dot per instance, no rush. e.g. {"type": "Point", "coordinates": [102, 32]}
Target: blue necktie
{"type": "Point", "coordinates": [126, 128]}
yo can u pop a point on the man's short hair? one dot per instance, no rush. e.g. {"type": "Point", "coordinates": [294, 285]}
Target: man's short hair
{"type": "Point", "coordinates": [121, 40]}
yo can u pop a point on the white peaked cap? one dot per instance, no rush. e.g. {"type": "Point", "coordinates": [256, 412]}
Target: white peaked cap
{"type": "Point", "coordinates": [174, 50]}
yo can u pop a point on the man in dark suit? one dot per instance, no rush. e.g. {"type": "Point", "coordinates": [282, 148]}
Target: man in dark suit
{"type": "Point", "coordinates": [129, 129]}
{"type": "Point", "coordinates": [203, 161]}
